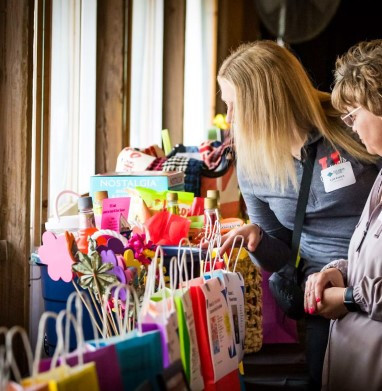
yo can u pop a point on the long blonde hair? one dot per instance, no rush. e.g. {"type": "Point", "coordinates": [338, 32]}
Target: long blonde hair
{"type": "Point", "coordinates": [275, 105]}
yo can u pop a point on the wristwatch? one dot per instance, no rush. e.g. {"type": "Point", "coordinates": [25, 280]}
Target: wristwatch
{"type": "Point", "coordinates": [349, 301]}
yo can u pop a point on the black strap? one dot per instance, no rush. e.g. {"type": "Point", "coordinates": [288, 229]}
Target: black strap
{"type": "Point", "coordinates": [303, 199]}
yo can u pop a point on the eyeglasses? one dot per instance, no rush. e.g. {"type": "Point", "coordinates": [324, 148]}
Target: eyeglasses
{"type": "Point", "coordinates": [348, 118]}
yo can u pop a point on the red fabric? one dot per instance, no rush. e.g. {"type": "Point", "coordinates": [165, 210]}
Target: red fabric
{"type": "Point", "coordinates": [153, 150]}
{"type": "Point", "coordinates": [157, 164]}
{"type": "Point", "coordinates": [167, 229]}
{"type": "Point", "coordinates": [212, 155]}
{"type": "Point", "coordinates": [229, 382]}
{"type": "Point", "coordinates": [197, 207]}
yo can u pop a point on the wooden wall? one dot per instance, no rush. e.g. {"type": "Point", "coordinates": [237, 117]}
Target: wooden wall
{"type": "Point", "coordinates": [16, 42]}
{"type": "Point", "coordinates": [113, 79]}
{"type": "Point", "coordinates": [237, 23]}
{"type": "Point", "coordinates": [173, 68]}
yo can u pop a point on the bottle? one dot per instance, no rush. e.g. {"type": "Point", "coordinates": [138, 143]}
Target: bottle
{"type": "Point", "coordinates": [211, 212]}
{"type": "Point", "coordinates": [97, 206]}
{"type": "Point", "coordinates": [86, 223]}
{"type": "Point", "coordinates": [85, 213]}
{"type": "Point", "coordinates": [215, 194]}
{"type": "Point", "coordinates": [172, 203]}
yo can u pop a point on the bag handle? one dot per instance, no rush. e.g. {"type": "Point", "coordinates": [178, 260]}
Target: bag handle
{"type": "Point", "coordinates": [302, 202]}
{"type": "Point", "coordinates": [4, 369]}
{"type": "Point", "coordinates": [174, 273]}
{"type": "Point", "coordinates": [80, 299]}
{"type": "Point", "coordinates": [56, 215]}
{"type": "Point", "coordinates": [109, 232]}
{"type": "Point", "coordinates": [40, 339]}
{"type": "Point", "coordinates": [237, 237]}
{"type": "Point", "coordinates": [123, 324]}
{"type": "Point", "coordinates": [60, 352]}
{"type": "Point", "coordinates": [9, 350]}
{"type": "Point", "coordinates": [188, 244]}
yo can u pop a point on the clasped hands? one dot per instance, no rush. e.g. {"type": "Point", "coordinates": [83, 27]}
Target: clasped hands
{"type": "Point", "coordinates": [324, 294]}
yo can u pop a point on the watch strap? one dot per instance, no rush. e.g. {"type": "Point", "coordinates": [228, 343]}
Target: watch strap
{"type": "Point", "coordinates": [349, 301]}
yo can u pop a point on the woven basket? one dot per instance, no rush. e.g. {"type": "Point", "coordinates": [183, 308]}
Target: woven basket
{"type": "Point", "coordinates": [253, 302]}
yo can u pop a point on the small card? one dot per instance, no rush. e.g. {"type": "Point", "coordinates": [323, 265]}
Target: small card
{"type": "Point", "coordinates": [338, 176]}
{"type": "Point", "coordinates": [113, 209]}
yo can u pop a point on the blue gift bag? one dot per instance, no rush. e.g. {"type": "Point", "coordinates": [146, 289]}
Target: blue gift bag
{"type": "Point", "coordinates": [139, 356]}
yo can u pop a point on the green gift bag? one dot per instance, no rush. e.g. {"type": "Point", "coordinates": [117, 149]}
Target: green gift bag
{"type": "Point", "coordinates": [188, 343]}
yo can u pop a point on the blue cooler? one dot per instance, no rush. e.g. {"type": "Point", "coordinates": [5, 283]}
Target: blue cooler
{"type": "Point", "coordinates": [55, 295]}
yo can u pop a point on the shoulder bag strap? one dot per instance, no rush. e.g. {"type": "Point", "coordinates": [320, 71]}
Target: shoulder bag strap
{"type": "Point", "coordinates": [302, 201]}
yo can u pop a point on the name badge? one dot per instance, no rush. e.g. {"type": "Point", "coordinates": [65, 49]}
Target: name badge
{"type": "Point", "coordinates": [338, 176]}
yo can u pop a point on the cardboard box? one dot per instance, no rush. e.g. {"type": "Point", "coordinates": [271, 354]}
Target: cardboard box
{"type": "Point", "coordinates": [117, 183]}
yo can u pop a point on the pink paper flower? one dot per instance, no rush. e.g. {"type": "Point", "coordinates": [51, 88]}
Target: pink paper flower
{"type": "Point", "coordinates": [55, 254]}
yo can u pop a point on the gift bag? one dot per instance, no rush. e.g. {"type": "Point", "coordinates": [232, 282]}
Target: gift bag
{"type": "Point", "coordinates": [158, 312]}
{"type": "Point", "coordinates": [105, 358]}
{"type": "Point", "coordinates": [8, 363]}
{"type": "Point", "coordinates": [187, 334]}
{"type": "Point", "coordinates": [139, 354]}
{"type": "Point", "coordinates": [65, 378]}
{"type": "Point", "coordinates": [214, 332]}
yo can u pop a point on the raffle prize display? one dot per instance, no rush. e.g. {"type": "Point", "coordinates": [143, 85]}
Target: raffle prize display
{"type": "Point", "coordinates": [149, 299]}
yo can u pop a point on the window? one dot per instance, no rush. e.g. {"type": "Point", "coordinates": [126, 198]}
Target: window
{"type": "Point", "coordinates": [200, 70]}
{"type": "Point", "coordinates": [73, 89]}
{"type": "Point", "coordinates": [146, 70]}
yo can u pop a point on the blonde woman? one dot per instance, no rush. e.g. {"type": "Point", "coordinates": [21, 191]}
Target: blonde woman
{"type": "Point", "coordinates": [276, 113]}
{"type": "Point", "coordinates": [356, 332]}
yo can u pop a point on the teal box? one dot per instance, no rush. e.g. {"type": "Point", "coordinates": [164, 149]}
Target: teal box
{"type": "Point", "coordinates": [117, 184]}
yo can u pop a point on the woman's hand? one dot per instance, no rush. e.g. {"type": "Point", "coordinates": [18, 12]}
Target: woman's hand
{"type": "Point", "coordinates": [332, 304]}
{"type": "Point", "coordinates": [317, 283]}
{"type": "Point", "coordinates": [251, 234]}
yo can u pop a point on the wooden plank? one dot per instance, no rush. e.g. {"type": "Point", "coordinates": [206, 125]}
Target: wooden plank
{"type": "Point", "coordinates": [45, 131]}
{"type": "Point", "coordinates": [42, 119]}
{"type": "Point", "coordinates": [237, 23]}
{"type": "Point", "coordinates": [127, 52]}
{"type": "Point", "coordinates": [173, 68]}
{"type": "Point", "coordinates": [111, 131]}
{"type": "Point", "coordinates": [214, 63]}
{"type": "Point", "coordinates": [16, 67]}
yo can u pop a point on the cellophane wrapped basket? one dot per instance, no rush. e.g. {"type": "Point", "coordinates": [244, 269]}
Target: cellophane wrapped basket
{"type": "Point", "coordinates": [253, 301]}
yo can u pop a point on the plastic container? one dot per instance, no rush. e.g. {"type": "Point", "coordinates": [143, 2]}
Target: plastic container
{"type": "Point", "coordinates": [64, 223]}
{"type": "Point", "coordinates": [55, 295]}
{"type": "Point", "coordinates": [59, 224]}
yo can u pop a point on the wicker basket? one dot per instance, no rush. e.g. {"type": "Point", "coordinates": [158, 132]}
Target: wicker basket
{"type": "Point", "coordinates": [253, 301]}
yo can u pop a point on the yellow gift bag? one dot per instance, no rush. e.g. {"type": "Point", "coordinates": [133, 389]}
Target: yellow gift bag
{"type": "Point", "coordinates": [62, 378]}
